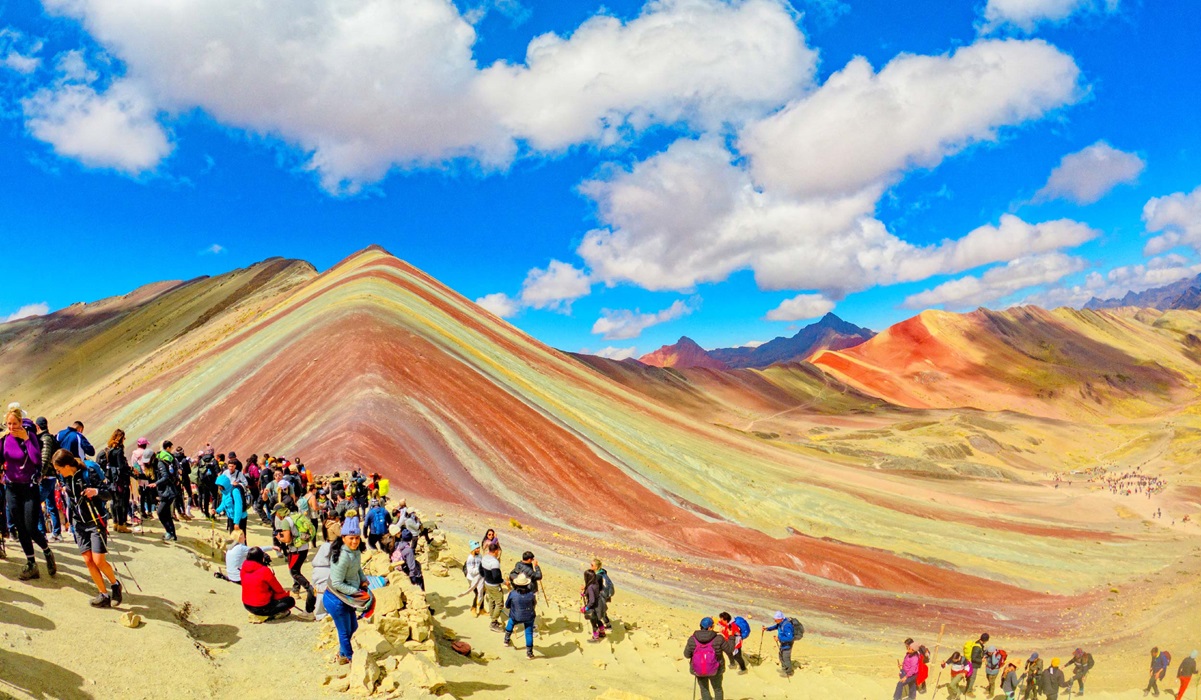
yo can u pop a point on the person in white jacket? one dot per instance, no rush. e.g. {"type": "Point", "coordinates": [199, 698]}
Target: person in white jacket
{"type": "Point", "coordinates": [475, 579]}
{"type": "Point", "coordinates": [320, 581]}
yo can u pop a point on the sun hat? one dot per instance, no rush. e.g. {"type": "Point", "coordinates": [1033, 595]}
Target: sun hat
{"type": "Point", "coordinates": [521, 580]}
{"type": "Point", "coordinates": [394, 530]}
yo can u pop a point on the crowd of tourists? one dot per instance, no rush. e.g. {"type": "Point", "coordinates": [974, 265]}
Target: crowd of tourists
{"type": "Point", "coordinates": [58, 482]}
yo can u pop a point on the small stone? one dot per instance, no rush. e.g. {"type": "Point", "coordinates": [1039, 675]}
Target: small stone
{"type": "Point", "coordinates": [131, 620]}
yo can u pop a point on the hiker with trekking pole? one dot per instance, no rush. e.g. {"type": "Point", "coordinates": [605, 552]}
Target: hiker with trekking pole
{"type": "Point", "coordinates": [706, 651]}
{"type": "Point", "coordinates": [788, 630]}
{"type": "Point", "coordinates": [88, 489]}
{"type": "Point", "coordinates": [908, 670]}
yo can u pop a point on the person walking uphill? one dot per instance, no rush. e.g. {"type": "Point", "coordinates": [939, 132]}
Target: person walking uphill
{"type": "Point", "coordinates": [1083, 663]}
{"type": "Point", "coordinates": [87, 488]}
{"type": "Point", "coordinates": [735, 630]}
{"type": "Point", "coordinates": [21, 463]}
{"type": "Point", "coordinates": [522, 608]}
{"type": "Point", "coordinates": [1159, 668]}
{"type": "Point", "coordinates": [49, 445]}
{"type": "Point", "coordinates": [166, 483]}
{"type": "Point", "coordinates": [347, 594]}
{"type": "Point", "coordinates": [705, 651]}
{"type": "Point", "coordinates": [787, 630]}
{"type": "Point", "coordinates": [293, 541]}
{"type": "Point", "coordinates": [261, 593]}
{"type": "Point", "coordinates": [974, 652]}
{"type": "Point", "coordinates": [1184, 674]}
{"type": "Point", "coordinates": [961, 670]}
{"type": "Point", "coordinates": [910, 665]}
{"type": "Point", "coordinates": [1053, 680]}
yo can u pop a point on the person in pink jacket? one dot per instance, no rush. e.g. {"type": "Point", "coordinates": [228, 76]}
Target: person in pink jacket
{"type": "Point", "coordinates": [21, 462]}
{"type": "Point", "coordinates": [910, 665]}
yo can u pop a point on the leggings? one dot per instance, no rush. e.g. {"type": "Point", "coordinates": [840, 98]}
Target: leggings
{"type": "Point", "coordinates": [121, 503]}
{"type": "Point", "coordinates": [295, 561]}
{"type": "Point", "coordinates": [164, 515]}
{"type": "Point", "coordinates": [25, 503]}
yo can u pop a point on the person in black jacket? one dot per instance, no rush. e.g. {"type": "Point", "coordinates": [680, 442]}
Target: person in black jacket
{"type": "Point", "coordinates": [1053, 680]}
{"type": "Point", "coordinates": [522, 607]}
{"type": "Point", "coordinates": [49, 481]}
{"type": "Point", "coordinates": [528, 566]}
{"type": "Point", "coordinates": [87, 489]}
{"type": "Point", "coordinates": [119, 476]}
{"type": "Point", "coordinates": [166, 483]}
{"type": "Point", "coordinates": [702, 637]}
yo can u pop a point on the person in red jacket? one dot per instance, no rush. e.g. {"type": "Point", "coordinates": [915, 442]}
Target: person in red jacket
{"type": "Point", "coordinates": [261, 593]}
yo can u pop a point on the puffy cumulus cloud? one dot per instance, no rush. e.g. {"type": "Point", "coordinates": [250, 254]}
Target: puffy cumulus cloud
{"type": "Point", "coordinates": [613, 353]}
{"type": "Point", "coordinates": [997, 282]}
{"type": "Point", "coordinates": [700, 62]}
{"type": "Point", "coordinates": [19, 53]}
{"type": "Point", "coordinates": [28, 311]}
{"type": "Point", "coordinates": [690, 215]}
{"type": "Point", "coordinates": [500, 304]}
{"type": "Point", "coordinates": [862, 128]}
{"type": "Point", "coordinates": [555, 286]}
{"type": "Point", "coordinates": [1088, 175]}
{"type": "Point", "coordinates": [1025, 15]}
{"type": "Point", "coordinates": [624, 324]}
{"type": "Point", "coordinates": [801, 307]}
{"type": "Point", "coordinates": [1118, 281]}
{"type": "Point", "coordinates": [1178, 216]}
{"type": "Point", "coordinates": [362, 86]}
{"type": "Point", "coordinates": [116, 127]}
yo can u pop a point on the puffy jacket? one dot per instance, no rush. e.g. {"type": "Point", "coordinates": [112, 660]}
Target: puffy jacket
{"type": "Point", "coordinates": [73, 441]}
{"type": "Point", "coordinates": [21, 459]}
{"type": "Point", "coordinates": [49, 447]}
{"type": "Point", "coordinates": [720, 647]}
{"type": "Point", "coordinates": [346, 574]}
{"type": "Point", "coordinates": [910, 666]}
{"type": "Point", "coordinates": [521, 605]}
{"type": "Point", "coordinates": [166, 476]}
{"type": "Point", "coordinates": [534, 572]}
{"type": "Point", "coordinates": [259, 585]}
{"type": "Point", "coordinates": [785, 632]}
{"type": "Point", "coordinates": [116, 465]}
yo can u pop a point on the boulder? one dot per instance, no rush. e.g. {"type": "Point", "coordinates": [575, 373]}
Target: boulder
{"type": "Point", "coordinates": [420, 624]}
{"type": "Point", "coordinates": [417, 672]}
{"type": "Point", "coordinates": [376, 563]}
{"type": "Point", "coordinates": [395, 629]}
{"type": "Point", "coordinates": [389, 600]}
{"type": "Point", "coordinates": [372, 641]}
{"type": "Point", "coordinates": [439, 569]}
{"type": "Point", "coordinates": [365, 671]}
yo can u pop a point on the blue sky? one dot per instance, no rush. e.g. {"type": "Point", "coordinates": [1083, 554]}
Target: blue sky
{"type": "Point", "coordinates": [612, 177]}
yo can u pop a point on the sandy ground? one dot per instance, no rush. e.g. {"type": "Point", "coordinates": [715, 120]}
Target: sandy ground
{"type": "Point", "coordinates": [52, 645]}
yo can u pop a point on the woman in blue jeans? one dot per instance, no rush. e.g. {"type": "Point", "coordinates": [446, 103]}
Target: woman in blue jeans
{"type": "Point", "coordinates": [521, 606]}
{"type": "Point", "coordinates": [344, 599]}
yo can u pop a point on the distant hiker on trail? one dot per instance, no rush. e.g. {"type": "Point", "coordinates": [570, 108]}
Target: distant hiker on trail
{"type": "Point", "coordinates": [705, 651]}
{"type": "Point", "coordinates": [1009, 681]}
{"type": "Point", "coordinates": [493, 581]}
{"type": "Point", "coordinates": [1082, 663]}
{"type": "Point", "coordinates": [378, 520]}
{"type": "Point", "coordinates": [787, 630]}
{"type": "Point", "coordinates": [183, 467]}
{"type": "Point", "coordinates": [207, 471]}
{"type": "Point", "coordinates": [908, 672]}
{"type": "Point", "coordinates": [961, 670]}
{"type": "Point", "coordinates": [1159, 668]}
{"type": "Point", "coordinates": [1184, 674]}
{"type": "Point", "coordinates": [120, 477]}
{"type": "Point", "coordinates": [606, 588]}
{"type": "Point", "coordinates": [528, 566]}
{"type": "Point", "coordinates": [293, 535]}
{"type": "Point", "coordinates": [994, 661]}
{"type": "Point", "coordinates": [521, 606]}
{"type": "Point", "coordinates": [88, 489]}
{"type": "Point", "coordinates": [475, 579]}
{"type": "Point", "coordinates": [974, 652]}
{"type": "Point", "coordinates": [49, 445]}
{"type": "Point", "coordinates": [166, 483]}
{"type": "Point", "coordinates": [594, 604]}
{"type": "Point", "coordinates": [22, 459]}
{"type": "Point", "coordinates": [344, 599]}
{"type": "Point", "coordinates": [262, 595]}
{"type": "Point", "coordinates": [1053, 680]}
{"type": "Point", "coordinates": [735, 630]}
{"type": "Point", "coordinates": [1031, 685]}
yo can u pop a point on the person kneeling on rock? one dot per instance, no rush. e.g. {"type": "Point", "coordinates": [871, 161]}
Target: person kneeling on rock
{"type": "Point", "coordinates": [261, 593]}
{"type": "Point", "coordinates": [521, 604]}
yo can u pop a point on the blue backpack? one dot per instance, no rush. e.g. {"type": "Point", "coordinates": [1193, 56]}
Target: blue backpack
{"type": "Point", "coordinates": [744, 628]}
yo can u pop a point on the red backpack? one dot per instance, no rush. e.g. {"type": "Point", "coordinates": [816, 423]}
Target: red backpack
{"type": "Point", "coordinates": [705, 661]}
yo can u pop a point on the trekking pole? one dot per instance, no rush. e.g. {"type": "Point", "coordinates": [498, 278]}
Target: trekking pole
{"type": "Point", "coordinates": [124, 560]}
{"type": "Point", "coordinates": [695, 682]}
{"type": "Point", "coordinates": [934, 657]}
{"type": "Point", "coordinates": [759, 653]}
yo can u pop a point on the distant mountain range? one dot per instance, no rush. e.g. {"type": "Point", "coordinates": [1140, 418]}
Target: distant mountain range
{"type": "Point", "coordinates": [1185, 294]}
{"type": "Point", "coordinates": [830, 333]}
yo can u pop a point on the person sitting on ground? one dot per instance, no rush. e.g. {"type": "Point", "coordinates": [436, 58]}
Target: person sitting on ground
{"type": "Point", "coordinates": [594, 604]}
{"type": "Point", "coordinates": [528, 566]}
{"type": "Point", "coordinates": [235, 558]}
{"type": "Point", "coordinates": [521, 606]}
{"type": "Point", "coordinates": [705, 651]}
{"type": "Point", "coordinates": [787, 632]}
{"type": "Point", "coordinates": [261, 593]}
{"type": "Point", "coordinates": [1082, 661]}
{"type": "Point", "coordinates": [88, 489]}
{"type": "Point", "coordinates": [1184, 674]}
{"type": "Point", "coordinates": [734, 630]}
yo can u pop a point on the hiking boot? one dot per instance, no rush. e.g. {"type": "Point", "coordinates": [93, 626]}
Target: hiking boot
{"type": "Point", "coordinates": [101, 601]}
{"type": "Point", "coordinates": [280, 615]}
{"type": "Point", "coordinates": [508, 642]}
{"type": "Point", "coordinates": [529, 654]}
{"type": "Point", "coordinates": [51, 566]}
{"type": "Point", "coordinates": [170, 538]}
{"type": "Point", "coordinates": [341, 660]}
{"type": "Point", "coordinates": [495, 626]}
{"type": "Point", "coordinates": [115, 592]}
{"type": "Point", "coordinates": [29, 573]}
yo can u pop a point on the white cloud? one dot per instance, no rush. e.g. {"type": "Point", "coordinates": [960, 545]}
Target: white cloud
{"type": "Point", "coordinates": [613, 353]}
{"type": "Point", "coordinates": [624, 324]}
{"type": "Point", "coordinates": [801, 307]}
{"type": "Point", "coordinates": [38, 309]}
{"type": "Point", "coordinates": [214, 249]}
{"type": "Point", "coordinates": [1025, 15]}
{"type": "Point", "coordinates": [862, 128]}
{"type": "Point", "coordinates": [1086, 176]}
{"type": "Point", "coordinates": [554, 287]}
{"type": "Point", "coordinates": [17, 53]}
{"type": "Point", "coordinates": [1114, 284]}
{"type": "Point", "coordinates": [1178, 216]}
{"type": "Point", "coordinates": [500, 304]}
{"type": "Point", "coordinates": [700, 62]}
{"type": "Point", "coordinates": [364, 86]}
{"type": "Point", "coordinates": [752, 343]}
{"type": "Point", "coordinates": [116, 128]}
{"type": "Point", "coordinates": [998, 282]}
{"type": "Point", "coordinates": [689, 215]}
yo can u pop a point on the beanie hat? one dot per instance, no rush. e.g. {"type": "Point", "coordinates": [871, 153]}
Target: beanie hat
{"type": "Point", "coordinates": [778, 616]}
{"type": "Point", "coordinates": [142, 442]}
{"type": "Point", "coordinates": [351, 528]}
{"type": "Point", "coordinates": [706, 623]}
{"type": "Point", "coordinates": [406, 535]}
{"type": "Point", "coordinates": [1055, 663]}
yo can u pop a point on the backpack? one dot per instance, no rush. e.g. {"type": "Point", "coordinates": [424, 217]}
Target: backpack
{"type": "Point", "coordinates": [607, 586]}
{"type": "Point", "coordinates": [1166, 656]}
{"type": "Point", "coordinates": [1004, 656]}
{"type": "Point", "coordinates": [705, 661]}
{"type": "Point", "coordinates": [924, 651]}
{"type": "Point", "coordinates": [973, 651]}
{"type": "Point", "coordinates": [794, 631]}
{"type": "Point", "coordinates": [308, 532]}
{"type": "Point", "coordinates": [744, 628]}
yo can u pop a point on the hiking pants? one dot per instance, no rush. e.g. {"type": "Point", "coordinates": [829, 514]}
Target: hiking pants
{"type": "Point", "coordinates": [1078, 678]}
{"type": "Point", "coordinates": [736, 657]}
{"type": "Point", "coordinates": [992, 682]}
{"type": "Point", "coordinates": [971, 680]}
{"type": "Point", "coordinates": [495, 599]}
{"type": "Point", "coordinates": [295, 561]}
{"type": "Point", "coordinates": [1030, 691]}
{"type": "Point", "coordinates": [1153, 685]}
{"type": "Point", "coordinates": [164, 515]}
{"type": "Point", "coordinates": [273, 608]}
{"type": "Point", "coordinates": [121, 503]}
{"type": "Point", "coordinates": [713, 682]}
{"type": "Point", "coordinates": [344, 619]}
{"type": "Point", "coordinates": [24, 501]}
{"type": "Point", "coordinates": [906, 689]}
{"type": "Point", "coordinates": [373, 541]}
{"type": "Point", "coordinates": [1184, 683]}
{"type": "Point", "coordinates": [46, 490]}
{"type": "Point", "coordinates": [957, 687]}
{"type": "Point", "coordinates": [786, 657]}
{"type": "Point", "coordinates": [529, 631]}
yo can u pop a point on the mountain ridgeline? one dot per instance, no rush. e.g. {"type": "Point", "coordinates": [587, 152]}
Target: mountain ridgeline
{"type": "Point", "coordinates": [829, 333]}
{"type": "Point", "coordinates": [1182, 295]}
